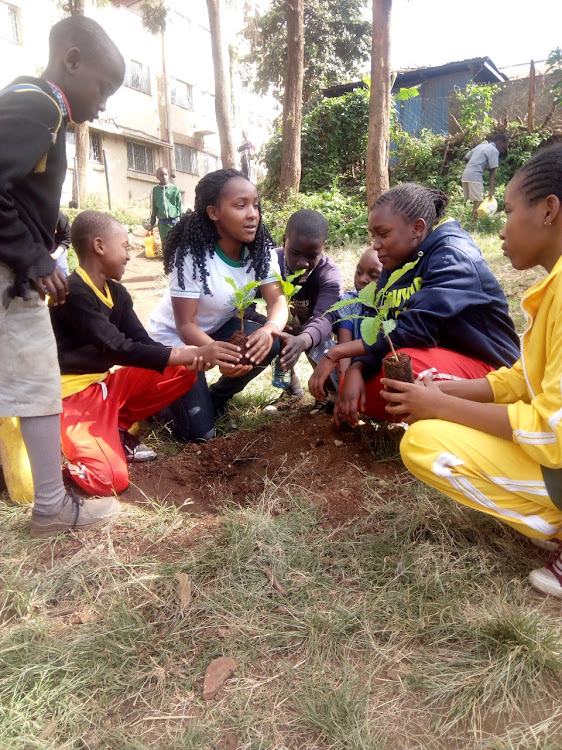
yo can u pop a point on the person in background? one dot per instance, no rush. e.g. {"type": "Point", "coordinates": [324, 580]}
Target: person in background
{"type": "Point", "coordinates": [482, 157]}
{"type": "Point", "coordinates": [84, 69]}
{"type": "Point", "coordinates": [165, 205]}
{"type": "Point", "coordinates": [245, 150]}
{"type": "Point", "coordinates": [495, 443]}
{"type": "Point", "coordinates": [62, 243]}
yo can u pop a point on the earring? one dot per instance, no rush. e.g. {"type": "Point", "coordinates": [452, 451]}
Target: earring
{"type": "Point", "coordinates": [548, 223]}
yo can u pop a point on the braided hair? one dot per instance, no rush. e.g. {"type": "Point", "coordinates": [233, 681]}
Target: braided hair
{"type": "Point", "coordinates": [196, 233]}
{"type": "Point", "coordinates": [542, 174]}
{"type": "Point", "coordinates": [415, 201]}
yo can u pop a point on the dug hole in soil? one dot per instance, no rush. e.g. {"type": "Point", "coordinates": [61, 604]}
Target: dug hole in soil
{"type": "Point", "coordinates": [305, 456]}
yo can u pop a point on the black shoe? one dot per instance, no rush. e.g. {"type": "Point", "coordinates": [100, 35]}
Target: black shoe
{"type": "Point", "coordinates": [134, 450]}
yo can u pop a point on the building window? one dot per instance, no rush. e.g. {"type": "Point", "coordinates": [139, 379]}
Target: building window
{"type": "Point", "coordinates": [181, 94]}
{"type": "Point", "coordinates": [96, 153]}
{"type": "Point", "coordinates": [10, 22]}
{"type": "Point", "coordinates": [186, 159]}
{"type": "Point", "coordinates": [140, 158]}
{"type": "Point", "coordinates": [210, 163]}
{"type": "Point", "coordinates": [137, 76]}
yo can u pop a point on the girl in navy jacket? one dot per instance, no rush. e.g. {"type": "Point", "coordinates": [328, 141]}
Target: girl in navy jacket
{"type": "Point", "coordinates": [451, 314]}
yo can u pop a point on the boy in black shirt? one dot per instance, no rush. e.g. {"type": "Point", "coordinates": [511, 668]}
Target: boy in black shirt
{"type": "Point", "coordinates": [96, 329]}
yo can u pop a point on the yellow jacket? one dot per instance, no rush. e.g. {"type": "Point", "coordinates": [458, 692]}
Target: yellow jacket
{"type": "Point", "coordinates": [533, 386]}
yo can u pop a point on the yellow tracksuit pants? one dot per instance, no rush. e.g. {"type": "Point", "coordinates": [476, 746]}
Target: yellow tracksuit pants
{"type": "Point", "coordinates": [484, 472]}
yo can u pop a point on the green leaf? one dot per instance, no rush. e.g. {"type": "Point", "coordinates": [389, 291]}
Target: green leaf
{"type": "Point", "coordinates": [370, 329]}
{"type": "Point", "coordinates": [395, 275]}
{"type": "Point", "coordinates": [388, 326]}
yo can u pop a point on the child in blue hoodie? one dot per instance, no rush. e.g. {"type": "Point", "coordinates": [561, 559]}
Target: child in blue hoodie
{"type": "Point", "coordinates": [451, 314]}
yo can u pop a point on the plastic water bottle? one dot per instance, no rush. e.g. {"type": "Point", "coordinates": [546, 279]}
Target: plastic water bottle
{"type": "Point", "coordinates": [279, 378]}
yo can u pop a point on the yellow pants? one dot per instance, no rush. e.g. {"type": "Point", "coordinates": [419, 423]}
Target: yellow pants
{"type": "Point", "coordinates": [484, 472]}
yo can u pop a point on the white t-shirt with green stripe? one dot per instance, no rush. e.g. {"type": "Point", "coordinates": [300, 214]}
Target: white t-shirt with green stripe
{"type": "Point", "coordinates": [214, 309]}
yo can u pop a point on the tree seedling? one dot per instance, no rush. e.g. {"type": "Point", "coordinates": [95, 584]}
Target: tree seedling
{"type": "Point", "coordinates": [396, 366]}
{"type": "Point", "coordinates": [242, 298]}
{"type": "Point", "coordinates": [290, 289]}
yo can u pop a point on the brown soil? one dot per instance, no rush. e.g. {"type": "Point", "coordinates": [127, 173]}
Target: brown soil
{"type": "Point", "coordinates": [239, 338]}
{"type": "Point", "coordinates": [304, 455]}
{"type": "Point", "coordinates": [398, 369]}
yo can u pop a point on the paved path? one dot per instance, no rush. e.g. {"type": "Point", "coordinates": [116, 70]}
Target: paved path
{"type": "Point", "coordinates": [144, 278]}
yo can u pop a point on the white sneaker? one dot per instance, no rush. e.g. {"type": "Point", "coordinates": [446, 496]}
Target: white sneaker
{"type": "Point", "coordinates": [548, 580]}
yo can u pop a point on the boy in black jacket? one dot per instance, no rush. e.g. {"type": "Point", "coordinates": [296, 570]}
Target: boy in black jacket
{"type": "Point", "coordinates": [96, 329]}
{"type": "Point", "coordinates": [84, 69]}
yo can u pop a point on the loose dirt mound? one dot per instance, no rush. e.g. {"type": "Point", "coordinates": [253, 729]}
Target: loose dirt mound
{"type": "Point", "coordinates": [304, 455]}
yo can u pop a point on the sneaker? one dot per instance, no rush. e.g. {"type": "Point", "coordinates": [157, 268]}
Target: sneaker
{"type": "Point", "coordinates": [134, 450]}
{"type": "Point", "coordinates": [285, 402]}
{"type": "Point", "coordinates": [548, 580]}
{"type": "Point", "coordinates": [76, 514]}
{"type": "Point", "coordinates": [548, 544]}
{"type": "Point", "coordinates": [322, 407]}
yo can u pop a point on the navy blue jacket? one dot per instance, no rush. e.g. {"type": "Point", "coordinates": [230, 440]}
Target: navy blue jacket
{"type": "Point", "coordinates": [449, 299]}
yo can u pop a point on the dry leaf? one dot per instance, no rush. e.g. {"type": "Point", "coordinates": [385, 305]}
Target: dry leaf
{"type": "Point", "coordinates": [274, 582]}
{"type": "Point", "coordinates": [184, 590]}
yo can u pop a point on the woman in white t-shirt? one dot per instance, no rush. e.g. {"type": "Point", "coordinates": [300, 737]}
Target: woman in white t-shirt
{"type": "Point", "coordinates": [223, 236]}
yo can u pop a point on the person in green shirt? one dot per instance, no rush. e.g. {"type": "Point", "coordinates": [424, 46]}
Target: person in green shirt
{"type": "Point", "coordinates": [165, 203]}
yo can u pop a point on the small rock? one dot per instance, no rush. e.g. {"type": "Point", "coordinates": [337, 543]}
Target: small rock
{"type": "Point", "coordinates": [338, 443]}
{"type": "Point", "coordinates": [218, 672]}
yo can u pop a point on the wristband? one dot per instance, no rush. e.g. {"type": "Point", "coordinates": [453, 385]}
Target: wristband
{"type": "Point", "coordinates": [273, 322]}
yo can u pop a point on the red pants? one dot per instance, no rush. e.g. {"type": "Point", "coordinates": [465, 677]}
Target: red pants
{"type": "Point", "coordinates": [443, 364]}
{"type": "Point", "coordinates": [90, 421]}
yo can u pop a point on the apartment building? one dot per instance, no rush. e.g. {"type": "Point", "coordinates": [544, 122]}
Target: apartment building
{"type": "Point", "coordinates": [162, 115]}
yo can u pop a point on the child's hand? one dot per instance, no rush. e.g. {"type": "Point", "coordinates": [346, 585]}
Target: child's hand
{"type": "Point", "coordinates": [321, 373]}
{"type": "Point", "coordinates": [198, 364]}
{"type": "Point", "coordinates": [293, 347]}
{"type": "Point", "coordinates": [259, 343]}
{"type": "Point", "coordinates": [413, 401]}
{"type": "Point", "coordinates": [220, 353]}
{"type": "Point", "coordinates": [55, 285]}
{"type": "Point", "coordinates": [235, 371]}
{"type": "Point", "coordinates": [351, 400]}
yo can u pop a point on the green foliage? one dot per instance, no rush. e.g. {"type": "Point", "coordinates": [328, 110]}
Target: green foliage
{"type": "Point", "coordinates": [476, 107]}
{"type": "Point", "coordinates": [418, 158]}
{"type": "Point", "coordinates": [154, 15]}
{"type": "Point", "coordinates": [346, 214]}
{"type": "Point", "coordinates": [381, 303]}
{"type": "Point", "coordinates": [290, 289]}
{"type": "Point", "coordinates": [337, 41]}
{"type": "Point", "coordinates": [243, 296]}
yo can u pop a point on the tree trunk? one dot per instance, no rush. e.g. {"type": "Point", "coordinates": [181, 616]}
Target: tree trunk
{"type": "Point", "coordinates": [379, 109]}
{"type": "Point", "coordinates": [223, 100]}
{"type": "Point", "coordinates": [290, 175]}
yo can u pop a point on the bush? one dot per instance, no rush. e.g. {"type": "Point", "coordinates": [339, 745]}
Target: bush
{"type": "Point", "coordinates": [346, 214]}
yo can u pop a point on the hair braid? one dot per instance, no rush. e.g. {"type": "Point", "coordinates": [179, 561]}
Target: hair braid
{"type": "Point", "coordinates": [416, 202]}
{"type": "Point", "coordinates": [542, 174]}
{"type": "Point", "coordinates": [196, 233]}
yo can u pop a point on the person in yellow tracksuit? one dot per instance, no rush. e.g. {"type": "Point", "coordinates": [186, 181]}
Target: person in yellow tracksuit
{"type": "Point", "coordinates": [495, 444]}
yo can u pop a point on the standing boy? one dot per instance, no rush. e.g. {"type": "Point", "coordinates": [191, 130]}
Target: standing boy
{"type": "Point", "coordinates": [62, 243]}
{"type": "Point", "coordinates": [84, 69]}
{"type": "Point", "coordinates": [321, 286]}
{"type": "Point", "coordinates": [165, 203]}
{"type": "Point", "coordinates": [482, 157]}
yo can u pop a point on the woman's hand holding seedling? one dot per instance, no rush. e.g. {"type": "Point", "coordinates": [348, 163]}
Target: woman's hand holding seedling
{"type": "Point", "coordinates": [351, 400]}
{"type": "Point", "coordinates": [259, 343]}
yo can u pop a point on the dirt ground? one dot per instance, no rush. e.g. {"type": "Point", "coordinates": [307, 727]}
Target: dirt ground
{"type": "Point", "coordinates": [303, 455]}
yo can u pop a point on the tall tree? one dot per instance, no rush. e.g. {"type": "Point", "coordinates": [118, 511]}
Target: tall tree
{"type": "Point", "coordinates": [378, 144]}
{"type": "Point", "coordinates": [292, 103]}
{"type": "Point", "coordinates": [336, 38]}
{"type": "Point", "coordinates": [223, 93]}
